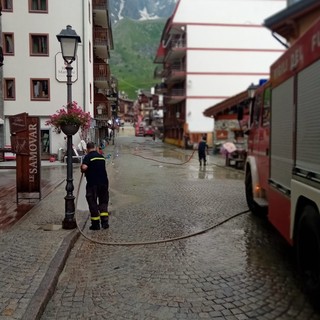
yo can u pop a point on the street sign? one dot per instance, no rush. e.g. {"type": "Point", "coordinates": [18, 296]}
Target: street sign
{"type": "Point", "coordinates": [18, 122]}
{"type": "Point", "coordinates": [25, 142]}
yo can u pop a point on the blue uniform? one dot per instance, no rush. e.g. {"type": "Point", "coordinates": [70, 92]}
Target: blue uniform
{"type": "Point", "coordinates": [97, 188]}
{"type": "Point", "coordinates": [202, 151]}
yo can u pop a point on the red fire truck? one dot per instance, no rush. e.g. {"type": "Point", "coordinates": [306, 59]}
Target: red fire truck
{"type": "Point", "coordinates": [282, 172]}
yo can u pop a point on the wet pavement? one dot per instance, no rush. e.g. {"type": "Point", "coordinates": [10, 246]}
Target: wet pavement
{"type": "Point", "coordinates": [11, 210]}
{"type": "Point", "coordinates": [181, 245]}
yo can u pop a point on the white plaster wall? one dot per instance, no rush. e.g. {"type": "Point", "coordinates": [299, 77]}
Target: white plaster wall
{"type": "Point", "coordinates": [23, 67]}
{"type": "Point", "coordinates": [231, 62]}
{"type": "Point", "coordinates": [194, 113]}
{"type": "Point", "coordinates": [227, 50]}
{"type": "Point", "coordinates": [227, 11]}
{"type": "Point", "coordinates": [218, 86]}
{"type": "Point", "coordinates": [246, 37]}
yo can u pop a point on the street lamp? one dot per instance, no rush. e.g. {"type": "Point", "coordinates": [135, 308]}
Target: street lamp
{"type": "Point", "coordinates": [69, 40]}
{"type": "Point", "coordinates": [114, 106]}
{"type": "Point", "coordinates": [251, 90]}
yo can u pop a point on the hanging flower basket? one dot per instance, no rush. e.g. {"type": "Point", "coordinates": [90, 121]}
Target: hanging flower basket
{"type": "Point", "coordinates": [69, 119]}
{"type": "Point", "coordinates": [70, 129]}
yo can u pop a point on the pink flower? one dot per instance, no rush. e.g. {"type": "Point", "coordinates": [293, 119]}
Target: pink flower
{"type": "Point", "coordinates": [70, 115]}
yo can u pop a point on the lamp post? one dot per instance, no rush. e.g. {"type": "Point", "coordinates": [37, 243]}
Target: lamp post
{"type": "Point", "coordinates": [69, 40]}
{"type": "Point", "coordinates": [114, 106]}
{"type": "Point", "coordinates": [251, 90]}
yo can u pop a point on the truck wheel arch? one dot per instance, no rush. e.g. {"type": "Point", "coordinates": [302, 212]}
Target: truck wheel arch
{"type": "Point", "coordinates": [251, 166]}
{"type": "Point", "coordinates": [307, 245]}
{"type": "Point", "coordinates": [251, 180]}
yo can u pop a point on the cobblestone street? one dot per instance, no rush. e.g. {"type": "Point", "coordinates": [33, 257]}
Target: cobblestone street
{"type": "Point", "coordinates": [181, 245]}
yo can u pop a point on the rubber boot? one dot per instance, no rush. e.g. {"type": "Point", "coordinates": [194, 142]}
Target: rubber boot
{"type": "Point", "coordinates": [95, 225]}
{"type": "Point", "coordinates": [105, 223]}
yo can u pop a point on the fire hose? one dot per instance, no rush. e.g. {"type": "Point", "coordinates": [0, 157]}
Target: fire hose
{"type": "Point", "coordinates": [140, 243]}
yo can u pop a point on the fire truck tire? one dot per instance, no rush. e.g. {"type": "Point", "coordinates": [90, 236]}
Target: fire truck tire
{"type": "Point", "coordinates": [308, 251]}
{"type": "Point", "coordinates": [253, 206]}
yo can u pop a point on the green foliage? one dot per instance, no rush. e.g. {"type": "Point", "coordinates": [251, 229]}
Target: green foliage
{"type": "Point", "coordinates": [135, 47]}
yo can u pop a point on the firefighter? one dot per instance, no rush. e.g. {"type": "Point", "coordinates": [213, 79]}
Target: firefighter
{"type": "Point", "coordinates": [97, 188]}
{"type": "Point", "coordinates": [203, 150]}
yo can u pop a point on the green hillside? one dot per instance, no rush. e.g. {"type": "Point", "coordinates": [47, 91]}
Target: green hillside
{"type": "Point", "coordinates": [135, 47]}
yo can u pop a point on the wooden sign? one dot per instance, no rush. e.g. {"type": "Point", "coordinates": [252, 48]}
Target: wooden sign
{"type": "Point", "coordinates": [18, 123]}
{"type": "Point", "coordinates": [221, 134]}
{"type": "Point", "coordinates": [28, 158]}
{"type": "Point", "coordinates": [19, 145]}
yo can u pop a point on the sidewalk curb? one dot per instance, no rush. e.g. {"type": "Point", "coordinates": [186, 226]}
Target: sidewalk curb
{"type": "Point", "coordinates": [48, 284]}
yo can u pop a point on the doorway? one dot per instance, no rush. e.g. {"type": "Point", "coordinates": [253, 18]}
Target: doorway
{"type": "Point", "coordinates": [45, 144]}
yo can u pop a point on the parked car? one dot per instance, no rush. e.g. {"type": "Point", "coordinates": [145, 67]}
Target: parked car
{"type": "Point", "coordinates": [8, 155]}
{"type": "Point", "coordinates": [148, 131]}
{"type": "Point", "coordinates": [139, 131]}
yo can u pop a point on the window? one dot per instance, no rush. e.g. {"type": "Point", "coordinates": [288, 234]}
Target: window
{"type": "Point", "coordinates": [39, 45]}
{"type": "Point", "coordinates": [38, 6]}
{"type": "Point", "coordinates": [8, 44]}
{"type": "Point", "coordinates": [9, 89]}
{"type": "Point", "coordinates": [266, 107]}
{"type": "Point", "coordinates": [40, 89]}
{"type": "Point", "coordinates": [89, 11]}
{"type": "Point", "coordinates": [257, 109]}
{"type": "Point", "coordinates": [90, 90]}
{"type": "Point", "coordinates": [7, 5]}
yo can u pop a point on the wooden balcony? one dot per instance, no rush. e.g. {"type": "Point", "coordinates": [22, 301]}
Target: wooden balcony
{"type": "Point", "coordinates": [100, 13]}
{"type": "Point", "coordinates": [101, 71]}
{"type": "Point", "coordinates": [172, 121]}
{"type": "Point", "coordinates": [101, 101]}
{"type": "Point", "coordinates": [100, 36]}
{"type": "Point", "coordinates": [176, 49]}
{"type": "Point", "coordinates": [176, 73]}
{"type": "Point", "coordinates": [175, 96]}
{"type": "Point", "coordinates": [99, 4]}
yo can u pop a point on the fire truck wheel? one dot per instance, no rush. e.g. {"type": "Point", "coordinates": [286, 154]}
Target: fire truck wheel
{"type": "Point", "coordinates": [253, 206]}
{"type": "Point", "coordinates": [308, 251]}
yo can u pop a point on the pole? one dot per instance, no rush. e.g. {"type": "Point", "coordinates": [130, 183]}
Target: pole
{"type": "Point", "coordinates": [113, 130]}
{"type": "Point", "coordinates": [69, 220]}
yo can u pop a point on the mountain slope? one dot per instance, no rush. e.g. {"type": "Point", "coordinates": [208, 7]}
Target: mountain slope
{"type": "Point", "coordinates": [141, 9]}
{"type": "Point", "coordinates": [135, 46]}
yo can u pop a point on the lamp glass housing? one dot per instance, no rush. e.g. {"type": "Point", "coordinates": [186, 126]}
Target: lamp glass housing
{"type": "Point", "coordinates": [69, 49]}
{"type": "Point", "coordinates": [251, 90]}
{"type": "Point", "coordinates": [69, 40]}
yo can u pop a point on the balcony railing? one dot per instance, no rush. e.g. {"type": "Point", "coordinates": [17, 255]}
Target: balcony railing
{"type": "Point", "coordinates": [158, 72]}
{"type": "Point", "coordinates": [99, 4]}
{"type": "Point", "coordinates": [100, 37]}
{"type": "Point", "coordinates": [174, 96]}
{"type": "Point", "coordinates": [176, 72]}
{"type": "Point", "coordinates": [173, 121]}
{"type": "Point", "coordinates": [176, 93]}
{"type": "Point", "coordinates": [101, 102]}
{"type": "Point", "coordinates": [100, 71]}
{"type": "Point", "coordinates": [176, 49]}
{"type": "Point", "coordinates": [178, 43]}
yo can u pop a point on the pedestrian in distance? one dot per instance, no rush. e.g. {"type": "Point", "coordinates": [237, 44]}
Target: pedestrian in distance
{"type": "Point", "coordinates": [100, 150]}
{"type": "Point", "coordinates": [97, 188]}
{"type": "Point", "coordinates": [82, 146]}
{"type": "Point", "coordinates": [203, 151]}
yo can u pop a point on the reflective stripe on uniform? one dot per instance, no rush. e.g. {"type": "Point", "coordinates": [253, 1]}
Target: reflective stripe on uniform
{"type": "Point", "coordinates": [98, 158]}
{"type": "Point", "coordinates": [95, 218]}
{"type": "Point", "coordinates": [104, 214]}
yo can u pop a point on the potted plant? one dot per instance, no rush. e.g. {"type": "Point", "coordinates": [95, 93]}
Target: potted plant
{"type": "Point", "coordinates": [69, 119]}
